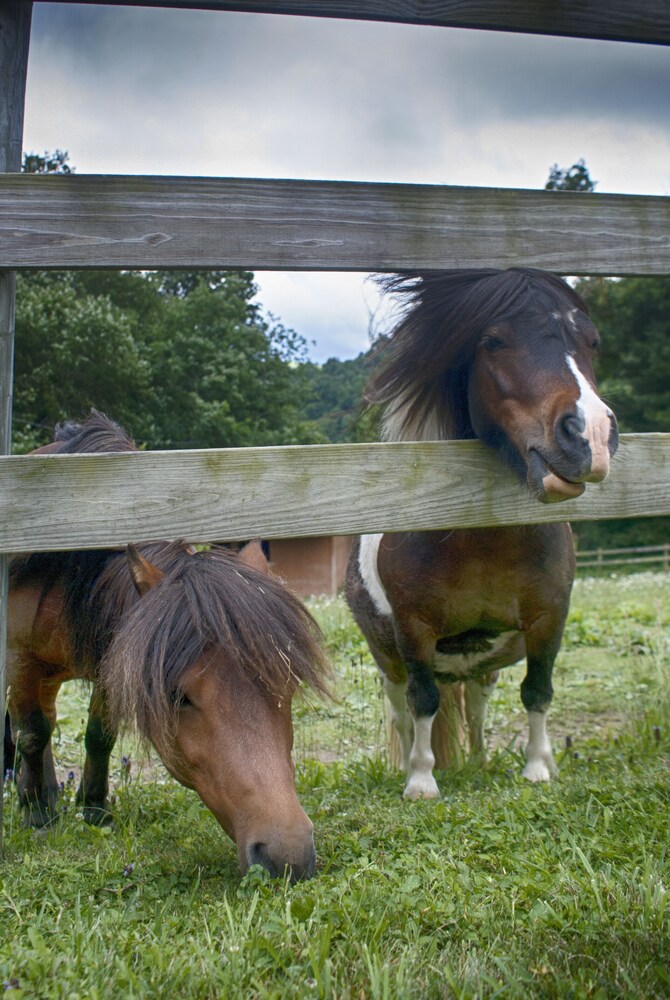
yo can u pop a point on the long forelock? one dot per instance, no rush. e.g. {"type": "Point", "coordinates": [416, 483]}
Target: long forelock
{"type": "Point", "coordinates": [423, 383]}
{"type": "Point", "coordinates": [209, 601]}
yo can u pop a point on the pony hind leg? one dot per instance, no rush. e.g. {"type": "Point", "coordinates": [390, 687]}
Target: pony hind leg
{"type": "Point", "coordinates": [396, 694]}
{"type": "Point", "coordinates": [477, 694]}
{"type": "Point", "coordinates": [99, 741]}
{"type": "Point", "coordinates": [32, 709]}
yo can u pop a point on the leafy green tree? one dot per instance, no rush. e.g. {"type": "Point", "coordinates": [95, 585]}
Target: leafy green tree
{"type": "Point", "coordinates": [336, 394]}
{"type": "Point", "coordinates": [224, 376]}
{"type": "Point", "coordinates": [189, 362]}
{"type": "Point", "coordinates": [574, 178]}
{"type": "Point", "coordinates": [182, 359]}
{"type": "Point", "coordinates": [633, 315]}
{"type": "Point", "coordinates": [73, 351]}
{"type": "Point", "coordinates": [50, 163]}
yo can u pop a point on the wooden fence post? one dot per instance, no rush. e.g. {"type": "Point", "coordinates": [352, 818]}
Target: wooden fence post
{"type": "Point", "coordinates": [15, 18]}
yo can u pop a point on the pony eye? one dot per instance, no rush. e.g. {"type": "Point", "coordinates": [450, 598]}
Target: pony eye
{"type": "Point", "coordinates": [491, 343]}
{"type": "Point", "coordinates": [181, 699]}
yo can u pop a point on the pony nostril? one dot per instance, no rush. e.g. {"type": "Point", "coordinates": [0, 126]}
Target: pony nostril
{"type": "Point", "coordinates": [298, 867]}
{"type": "Point", "coordinates": [613, 442]}
{"type": "Point", "coordinates": [258, 854]}
{"type": "Point", "coordinates": [572, 426]}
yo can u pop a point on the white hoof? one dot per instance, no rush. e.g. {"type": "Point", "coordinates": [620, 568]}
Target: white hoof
{"type": "Point", "coordinates": [421, 786]}
{"type": "Point", "coordinates": [539, 770]}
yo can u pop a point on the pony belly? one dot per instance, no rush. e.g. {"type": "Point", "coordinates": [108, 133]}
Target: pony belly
{"type": "Point", "coordinates": [503, 651]}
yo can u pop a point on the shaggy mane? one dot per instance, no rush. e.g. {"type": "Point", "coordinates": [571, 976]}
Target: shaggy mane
{"type": "Point", "coordinates": [423, 382]}
{"type": "Point", "coordinates": [98, 433]}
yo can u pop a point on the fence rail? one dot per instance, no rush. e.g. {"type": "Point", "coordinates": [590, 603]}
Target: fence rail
{"type": "Point", "coordinates": [52, 502]}
{"type": "Point", "coordinates": [80, 221]}
{"type": "Point", "coordinates": [632, 556]}
{"type": "Point", "coordinates": [642, 21]}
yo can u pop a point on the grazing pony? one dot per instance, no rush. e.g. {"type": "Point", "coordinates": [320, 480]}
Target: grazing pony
{"type": "Point", "coordinates": [201, 651]}
{"type": "Point", "coordinates": [504, 356]}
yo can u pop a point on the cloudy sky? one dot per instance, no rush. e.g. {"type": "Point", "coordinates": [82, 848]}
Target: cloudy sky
{"type": "Point", "coordinates": [133, 90]}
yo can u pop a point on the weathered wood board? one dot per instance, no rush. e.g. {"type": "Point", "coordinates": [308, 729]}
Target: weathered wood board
{"type": "Point", "coordinates": [81, 221]}
{"type": "Point", "coordinates": [642, 21]}
{"type": "Point", "coordinates": [89, 501]}
{"type": "Point", "coordinates": [15, 19]}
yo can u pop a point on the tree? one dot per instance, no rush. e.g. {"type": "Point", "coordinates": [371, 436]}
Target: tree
{"type": "Point", "coordinates": [335, 395]}
{"type": "Point", "coordinates": [179, 360]}
{"type": "Point", "coordinates": [50, 163]}
{"type": "Point", "coordinates": [73, 351]}
{"type": "Point", "coordinates": [633, 315]}
{"type": "Point", "coordinates": [182, 359]}
{"type": "Point", "coordinates": [222, 375]}
{"type": "Point", "coordinates": [574, 178]}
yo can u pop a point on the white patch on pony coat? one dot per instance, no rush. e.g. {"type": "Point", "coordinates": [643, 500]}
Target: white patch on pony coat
{"type": "Point", "coordinates": [421, 784]}
{"type": "Point", "coordinates": [568, 316]}
{"type": "Point", "coordinates": [462, 664]}
{"type": "Point", "coordinates": [397, 696]}
{"type": "Point", "coordinates": [540, 761]}
{"type": "Point", "coordinates": [396, 427]}
{"type": "Point", "coordinates": [589, 403]}
{"type": "Point", "coordinates": [367, 567]}
{"type": "Point", "coordinates": [597, 422]}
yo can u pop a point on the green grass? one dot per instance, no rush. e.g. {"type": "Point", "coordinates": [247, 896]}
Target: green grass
{"type": "Point", "coordinates": [500, 889]}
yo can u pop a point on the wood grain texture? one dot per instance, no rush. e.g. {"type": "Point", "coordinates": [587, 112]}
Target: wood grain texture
{"type": "Point", "coordinates": [84, 221]}
{"type": "Point", "coordinates": [15, 19]}
{"type": "Point", "coordinates": [641, 21]}
{"type": "Point", "coordinates": [88, 501]}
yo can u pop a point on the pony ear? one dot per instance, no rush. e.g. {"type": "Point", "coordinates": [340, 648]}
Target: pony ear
{"type": "Point", "coordinates": [252, 555]}
{"type": "Point", "coordinates": [145, 575]}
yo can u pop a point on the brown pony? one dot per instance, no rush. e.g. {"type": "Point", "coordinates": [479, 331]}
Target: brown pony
{"type": "Point", "coordinates": [505, 356]}
{"type": "Point", "coordinates": [202, 651]}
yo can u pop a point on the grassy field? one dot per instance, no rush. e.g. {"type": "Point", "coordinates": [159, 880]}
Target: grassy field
{"type": "Point", "coordinates": [501, 889]}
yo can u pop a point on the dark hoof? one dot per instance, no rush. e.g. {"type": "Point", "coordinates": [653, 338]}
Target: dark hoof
{"type": "Point", "coordinates": [97, 816]}
{"type": "Point", "coordinates": [39, 817]}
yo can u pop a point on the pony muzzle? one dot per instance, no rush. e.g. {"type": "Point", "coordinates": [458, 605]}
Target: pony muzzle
{"type": "Point", "coordinates": [546, 484]}
{"type": "Point", "coordinates": [293, 857]}
{"type": "Point", "coordinates": [581, 454]}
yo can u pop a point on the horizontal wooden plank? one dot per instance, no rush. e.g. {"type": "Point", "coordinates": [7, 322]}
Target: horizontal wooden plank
{"type": "Point", "coordinates": [642, 21]}
{"type": "Point", "coordinates": [87, 501]}
{"type": "Point", "coordinates": [85, 221]}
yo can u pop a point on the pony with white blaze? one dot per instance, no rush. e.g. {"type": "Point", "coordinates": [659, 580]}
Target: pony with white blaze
{"type": "Point", "coordinates": [506, 357]}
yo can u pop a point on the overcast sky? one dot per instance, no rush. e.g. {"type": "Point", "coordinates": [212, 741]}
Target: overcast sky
{"type": "Point", "coordinates": [133, 90]}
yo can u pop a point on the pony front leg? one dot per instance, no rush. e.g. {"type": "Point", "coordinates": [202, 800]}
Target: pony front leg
{"type": "Point", "coordinates": [99, 742]}
{"type": "Point", "coordinates": [423, 698]}
{"type": "Point", "coordinates": [536, 695]}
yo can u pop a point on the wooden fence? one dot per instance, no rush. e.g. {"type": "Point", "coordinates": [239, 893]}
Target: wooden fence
{"type": "Point", "coordinates": [640, 555]}
{"type": "Point", "coordinates": [161, 222]}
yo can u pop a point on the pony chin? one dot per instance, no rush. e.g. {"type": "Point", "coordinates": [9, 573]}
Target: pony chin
{"type": "Point", "coordinates": [546, 485]}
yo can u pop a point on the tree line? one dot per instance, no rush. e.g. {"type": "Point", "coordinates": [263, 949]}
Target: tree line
{"type": "Point", "coordinates": [189, 360]}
